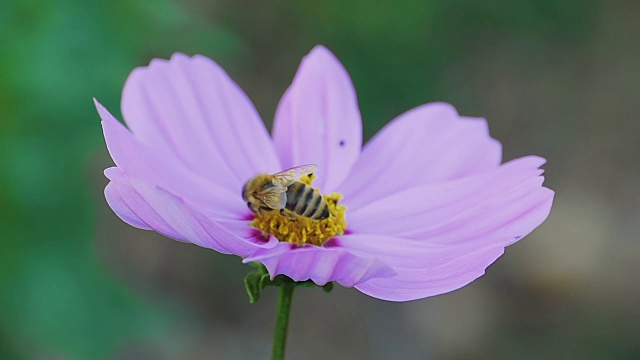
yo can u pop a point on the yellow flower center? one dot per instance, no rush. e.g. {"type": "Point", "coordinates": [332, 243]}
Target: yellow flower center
{"type": "Point", "coordinates": [298, 229]}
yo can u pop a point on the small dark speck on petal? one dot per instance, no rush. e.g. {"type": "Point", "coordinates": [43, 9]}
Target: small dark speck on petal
{"type": "Point", "coordinates": [341, 142]}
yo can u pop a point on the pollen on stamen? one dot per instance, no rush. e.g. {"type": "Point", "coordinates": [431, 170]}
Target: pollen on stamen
{"type": "Point", "coordinates": [302, 230]}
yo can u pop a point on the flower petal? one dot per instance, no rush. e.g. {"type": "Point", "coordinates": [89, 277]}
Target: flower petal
{"type": "Point", "coordinates": [166, 213]}
{"type": "Point", "coordinates": [164, 170]}
{"type": "Point", "coordinates": [420, 275]}
{"type": "Point", "coordinates": [430, 143]}
{"type": "Point", "coordinates": [512, 217]}
{"type": "Point", "coordinates": [422, 270]}
{"type": "Point", "coordinates": [318, 120]}
{"type": "Point", "coordinates": [413, 212]}
{"type": "Point", "coordinates": [320, 264]}
{"type": "Point", "coordinates": [120, 207]}
{"type": "Point", "coordinates": [191, 108]}
{"type": "Point", "coordinates": [447, 256]}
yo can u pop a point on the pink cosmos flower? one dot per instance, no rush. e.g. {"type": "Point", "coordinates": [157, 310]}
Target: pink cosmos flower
{"type": "Point", "coordinates": [429, 204]}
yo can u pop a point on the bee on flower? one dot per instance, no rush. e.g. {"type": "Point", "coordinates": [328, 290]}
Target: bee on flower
{"type": "Point", "coordinates": [422, 209]}
{"type": "Point", "coordinates": [284, 192]}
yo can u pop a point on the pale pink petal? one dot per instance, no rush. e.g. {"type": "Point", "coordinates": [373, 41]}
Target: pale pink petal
{"type": "Point", "coordinates": [444, 257]}
{"type": "Point", "coordinates": [318, 120]}
{"type": "Point", "coordinates": [190, 108]}
{"type": "Point", "coordinates": [134, 203]}
{"type": "Point", "coordinates": [120, 207]}
{"type": "Point", "coordinates": [511, 216]}
{"type": "Point", "coordinates": [414, 212]}
{"type": "Point", "coordinates": [422, 270]}
{"type": "Point", "coordinates": [418, 283]}
{"type": "Point", "coordinates": [320, 264]}
{"type": "Point", "coordinates": [406, 253]}
{"type": "Point", "coordinates": [166, 213]}
{"type": "Point", "coordinates": [430, 143]}
{"type": "Point", "coordinates": [136, 159]}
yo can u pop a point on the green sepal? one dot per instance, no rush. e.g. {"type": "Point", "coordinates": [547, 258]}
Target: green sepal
{"type": "Point", "coordinates": [256, 281]}
{"type": "Point", "coordinates": [328, 287]}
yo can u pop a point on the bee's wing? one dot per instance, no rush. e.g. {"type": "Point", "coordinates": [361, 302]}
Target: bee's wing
{"type": "Point", "coordinates": [289, 176]}
{"type": "Point", "coordinates": [275, 197]}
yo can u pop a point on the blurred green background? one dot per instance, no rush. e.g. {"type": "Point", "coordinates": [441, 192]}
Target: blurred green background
{"type": "Point", "coordinates": [557, 78]}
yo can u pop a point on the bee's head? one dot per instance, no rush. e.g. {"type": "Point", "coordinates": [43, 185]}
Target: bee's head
{"type": "Point", "coordinates": [244, 191]}
{"type": "Point", "coordinates": [245, 196]}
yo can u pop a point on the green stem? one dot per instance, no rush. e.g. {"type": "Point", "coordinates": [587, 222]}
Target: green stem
{"type": "Point", "coordinates": [285, 296]}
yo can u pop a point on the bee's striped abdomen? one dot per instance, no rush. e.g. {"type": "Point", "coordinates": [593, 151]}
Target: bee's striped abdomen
{"type": "Point", "coordinates": [305, 201]}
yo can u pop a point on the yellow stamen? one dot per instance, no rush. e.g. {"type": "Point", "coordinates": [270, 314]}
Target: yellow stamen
{"type": "Point", "coordinates": [302, 230]}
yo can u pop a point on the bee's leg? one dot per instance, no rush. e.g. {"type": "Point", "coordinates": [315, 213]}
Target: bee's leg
{"type": "Point", "coordinates": [286, 215]}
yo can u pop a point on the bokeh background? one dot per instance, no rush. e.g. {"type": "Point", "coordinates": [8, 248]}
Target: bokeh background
{"type": "Point", "coordinates": [557, 78]}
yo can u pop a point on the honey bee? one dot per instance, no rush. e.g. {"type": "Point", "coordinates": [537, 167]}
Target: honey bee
{"type": "Point", "coordinates": [283, 191]}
